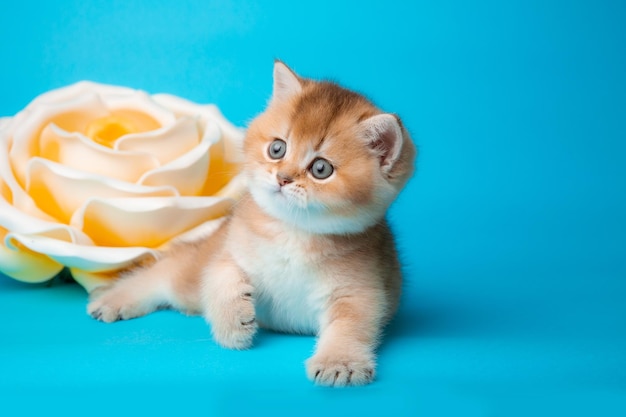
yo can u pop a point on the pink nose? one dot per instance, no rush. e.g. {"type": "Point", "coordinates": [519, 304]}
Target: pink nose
{"type": "Point", "coordinates": [283, 179]}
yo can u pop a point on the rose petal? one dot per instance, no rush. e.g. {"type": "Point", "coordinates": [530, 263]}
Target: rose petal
{"type": "Point", "coordinates": [14, 216]}
{"type": "Point", "coordinates": [235, 188]}
{"type": "Point", "coordinates": [4, 122]}
{"type": "Point", "coordinates": [149, 221]}
{"type": "Point", "coordinates": [25, 265]}
{"type": "Point", "coordinates": [76, 151]}
{"type": "Point", "coordinates": [187, 173]}
{"type": "Point", "coordinates": [165, 144]}
{"type": "Point", "coordinates": [88, 258]}
{"type": "Point", "coordinates": [232, 135]}
{"type": "Point", "coordinates": [12, 195]}
{"type": "Point", "coordinates": [73, 115]}
{"type": "Point", "coordinates": [221, 171]}
{"type": "Point", "coordinates": [79, 89]}
{"type": "Point", "coordinates": [16, 221]}
{"type": "Point", "coordinates": [136, 105]}
{"type": "Point", "coordinates": [92, 280]}
{"type": "Point", "coordinates": [60, 190]}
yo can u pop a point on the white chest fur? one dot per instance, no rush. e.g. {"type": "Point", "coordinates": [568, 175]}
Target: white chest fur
{"type": "Point", "coordinates": [291, 290]}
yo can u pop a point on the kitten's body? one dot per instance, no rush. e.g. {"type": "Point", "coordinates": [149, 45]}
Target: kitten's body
{"type": "Point", "coordinates": [300, 253]}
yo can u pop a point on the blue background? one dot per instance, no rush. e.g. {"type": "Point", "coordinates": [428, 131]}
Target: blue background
{"type": "Point", "coordinates": [513, 231]}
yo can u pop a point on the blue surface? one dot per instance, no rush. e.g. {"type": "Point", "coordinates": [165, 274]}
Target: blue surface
{"type": "Point", "coordinates": [513, 231]}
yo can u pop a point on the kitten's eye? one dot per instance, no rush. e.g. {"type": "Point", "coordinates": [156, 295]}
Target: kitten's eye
{"type": "Point", "coordinates": [277, 149]}
{"type": "Point", "coordinates": [321, 169]}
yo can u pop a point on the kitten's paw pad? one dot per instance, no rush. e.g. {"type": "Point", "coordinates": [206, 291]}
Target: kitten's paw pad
{"type": "Point", "coordinates": [340, 371]}
{"type": "Point", "coordinates": [236, 326]}
{"type": "Point", "coordinates": [110, 307]}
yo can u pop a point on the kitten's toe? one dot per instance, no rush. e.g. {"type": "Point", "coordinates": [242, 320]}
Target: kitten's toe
{"type": "Point", "coordinates": [103, 312]}
{"type": "Point", "coordinates": [340, 371]}
{"type": "Point", "coordinates": [235, 329]}
{"type": "Point", "coordinates": [238, 338]}
{"type": "Point", "coordinates": [113, 306]}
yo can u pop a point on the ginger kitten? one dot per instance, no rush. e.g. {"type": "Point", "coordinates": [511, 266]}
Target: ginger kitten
{"type": "Point", "coordinates": [307, 250]}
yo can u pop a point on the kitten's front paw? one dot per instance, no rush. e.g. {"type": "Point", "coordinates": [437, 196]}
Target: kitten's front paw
{"type": "Point", "coordinates": [111, 304]}
{"type": "Point", "coordinates": [236, 326]}
{"type": "Point", "coordinates": [340, 370]}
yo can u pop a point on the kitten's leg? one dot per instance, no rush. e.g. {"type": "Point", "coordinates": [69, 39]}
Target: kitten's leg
{"type": "Point", "coordinates": [345, 349]}
{"type": "Point", "coordinates": [228, 304]}
{"type": "Point", "coordinates": [143, 291]}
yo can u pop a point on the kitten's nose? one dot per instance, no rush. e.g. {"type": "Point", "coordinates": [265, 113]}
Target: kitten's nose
{"type": "Point", "coordinates": [283, 179]}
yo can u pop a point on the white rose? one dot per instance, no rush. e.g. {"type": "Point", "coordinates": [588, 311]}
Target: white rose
{"type": "Point", "coordinates": [96, 177]}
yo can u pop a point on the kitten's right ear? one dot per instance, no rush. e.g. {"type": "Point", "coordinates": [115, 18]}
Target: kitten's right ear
{"type": "Point", "coordinates": [286, 83]}
{"type": "Point", "coordinates": [384, 136]}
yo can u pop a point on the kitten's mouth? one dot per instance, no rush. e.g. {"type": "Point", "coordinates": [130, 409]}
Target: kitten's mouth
{"type": "Point", "coordinates": [284, 197]}
{"type": "Point", "coordinates": [278, 192]}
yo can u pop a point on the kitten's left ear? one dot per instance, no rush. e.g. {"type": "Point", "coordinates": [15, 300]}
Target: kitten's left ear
{"type": "Point", "coordinates": [384, 136]}
{"type": "Point", "coordinates": [286, 83]}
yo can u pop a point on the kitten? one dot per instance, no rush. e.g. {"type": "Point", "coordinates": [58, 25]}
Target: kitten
{"type": "Point", "coordinates": [307, 250]}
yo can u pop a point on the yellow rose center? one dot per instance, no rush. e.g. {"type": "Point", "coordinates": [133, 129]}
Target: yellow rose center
{"type": "Point", "coordinates": [107, 130]}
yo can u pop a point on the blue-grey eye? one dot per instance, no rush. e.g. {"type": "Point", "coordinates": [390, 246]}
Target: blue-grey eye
{"type": "Point", "coordinates": [277, 149]}
{"type": "Point", "coordinates": [321, 169]}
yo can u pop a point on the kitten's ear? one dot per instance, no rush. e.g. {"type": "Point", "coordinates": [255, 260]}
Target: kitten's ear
{"type": "Point", "coordinates": [286, 83]}
{"type": "Point", "coordinates": [384, 136]}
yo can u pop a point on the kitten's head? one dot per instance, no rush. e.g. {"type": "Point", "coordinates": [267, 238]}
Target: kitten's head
{"type": "Point", "coordinates": [323, 158]}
